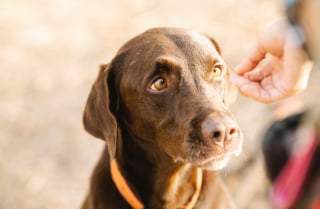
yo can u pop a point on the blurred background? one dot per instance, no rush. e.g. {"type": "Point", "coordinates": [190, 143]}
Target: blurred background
{"type": "Point", "coordinates": [49, 57]}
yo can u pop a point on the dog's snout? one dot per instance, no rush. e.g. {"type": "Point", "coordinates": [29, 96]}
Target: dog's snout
{"type": "Point", "coordinates": [219, 129]}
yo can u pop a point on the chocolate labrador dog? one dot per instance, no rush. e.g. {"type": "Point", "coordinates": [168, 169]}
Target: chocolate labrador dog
{"type": "Point", "coordinates": [161, 105]}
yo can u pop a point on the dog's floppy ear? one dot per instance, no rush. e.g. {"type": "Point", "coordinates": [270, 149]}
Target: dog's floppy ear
{"type": "Point", "coordinates": [98, 118]}
{"type": "Point", "coordinates": [214, 43]}
{"type": "Point", "coordinates": [230, 91]}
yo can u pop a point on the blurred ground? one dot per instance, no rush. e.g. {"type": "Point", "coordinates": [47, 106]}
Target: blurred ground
{"type": "Point", "coordinates": [49, 57]}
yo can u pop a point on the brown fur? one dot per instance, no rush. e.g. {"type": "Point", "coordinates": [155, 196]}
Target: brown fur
{"type": "Point", "coordinates": [160, 137]}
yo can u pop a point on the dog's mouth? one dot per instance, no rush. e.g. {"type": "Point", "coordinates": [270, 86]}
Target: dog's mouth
{"type": "Point", "coordinates": [218, 162]}
{"type": "Point", "coordinates": [212, 148]}
{"type": "Point", "coordinates": [209, 156]}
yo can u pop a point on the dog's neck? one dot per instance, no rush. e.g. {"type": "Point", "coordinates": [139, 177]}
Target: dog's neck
{"type": "Point", "coordinates": [153, 175]}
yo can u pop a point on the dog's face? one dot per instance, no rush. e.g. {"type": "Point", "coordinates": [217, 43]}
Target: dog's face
{"type": "Point", "coordinates": [171, 88]}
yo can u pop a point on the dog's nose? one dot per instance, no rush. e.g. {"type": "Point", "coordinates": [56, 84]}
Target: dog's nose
{"type": "Point", "coordinates": [220, 129]}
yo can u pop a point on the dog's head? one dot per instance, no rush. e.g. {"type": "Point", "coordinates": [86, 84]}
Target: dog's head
{"type": "Point", "coordinates": [169, 87]}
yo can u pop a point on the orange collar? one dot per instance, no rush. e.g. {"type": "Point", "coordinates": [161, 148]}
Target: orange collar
{"type": "Point", "coordinates": [131, 198]}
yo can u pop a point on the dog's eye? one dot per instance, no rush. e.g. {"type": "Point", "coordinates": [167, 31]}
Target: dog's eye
{"type": "Point", "coordinates": [159, 84]}
{"type": "Point", "coordinates": [217, 71]}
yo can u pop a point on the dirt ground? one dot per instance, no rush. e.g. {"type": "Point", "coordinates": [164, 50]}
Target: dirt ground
{"type": "Point", "coordinates": [49, 57]}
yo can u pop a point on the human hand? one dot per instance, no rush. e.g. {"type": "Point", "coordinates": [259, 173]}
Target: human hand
{"type": "Point", "coordinates": [275, 68]}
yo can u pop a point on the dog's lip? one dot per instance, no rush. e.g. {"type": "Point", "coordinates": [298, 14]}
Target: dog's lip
{"type": "Point", "coordinates": [219, 162]}
{"type": "Point", "coordinates": [222, 157]}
